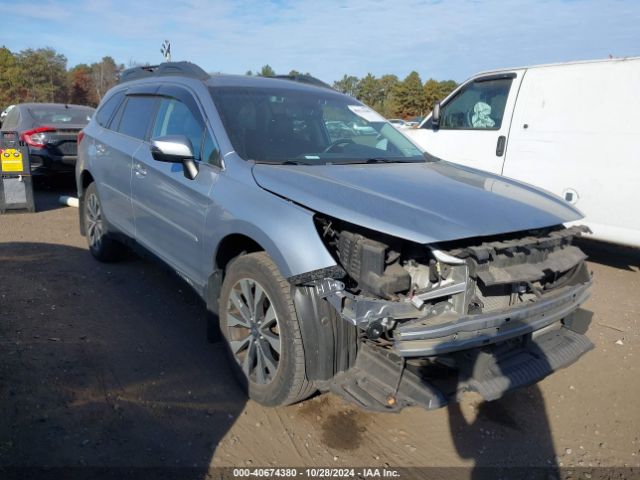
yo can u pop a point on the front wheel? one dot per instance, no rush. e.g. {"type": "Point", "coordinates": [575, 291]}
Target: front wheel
{"type": "Point", "coordinates": [260, 325]}
{"type": "Point", "coordinates": [101, 245]}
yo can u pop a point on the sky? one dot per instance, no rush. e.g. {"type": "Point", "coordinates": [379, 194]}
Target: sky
{"type": "Point", "coordinates": [444, 39]}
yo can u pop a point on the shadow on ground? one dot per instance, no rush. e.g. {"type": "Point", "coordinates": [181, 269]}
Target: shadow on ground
{"type": "Point", "coordinates": [617, 256]}
{"type": "Point", "coordinates": [106, 365]}
{"type": "Point", "coordinates": [508, 438]}
{"type": "Point", "coordinates": [47, 191]}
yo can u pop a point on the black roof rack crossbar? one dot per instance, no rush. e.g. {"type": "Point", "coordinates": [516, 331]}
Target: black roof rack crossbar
{"type": "Point", "coordinates": [308, 79]}
{"type": "Point", "coordinates": [183, 69]}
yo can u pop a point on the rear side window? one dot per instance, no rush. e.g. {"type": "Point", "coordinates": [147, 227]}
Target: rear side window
{"type": "Point", "coordinates": [478, 106]}
{"type": "Point", "coordinates": [137, 114]}
{"type": "Point", "coordinates": [105, 112]}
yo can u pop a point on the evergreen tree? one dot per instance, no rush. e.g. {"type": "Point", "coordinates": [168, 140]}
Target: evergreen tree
{"type": "Point", "coordinates": [347, 85]}
{"type": "Point", "coordinates": [266, 71]}
{"type": "Point", "coordinates": [409, 95]}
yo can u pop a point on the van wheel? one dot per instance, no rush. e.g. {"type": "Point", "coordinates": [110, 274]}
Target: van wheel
{"type": "Point", "coordinates": [262, 333]}
{"type": "Point", "coordinates": [101, 245]}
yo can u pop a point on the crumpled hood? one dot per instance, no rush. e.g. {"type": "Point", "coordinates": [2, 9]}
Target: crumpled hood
{"type": "Point", "coordinates": [420, 202]}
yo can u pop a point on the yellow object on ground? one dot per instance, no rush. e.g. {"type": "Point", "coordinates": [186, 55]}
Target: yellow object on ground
{"type": "Point", "coordinates": [11, 160]}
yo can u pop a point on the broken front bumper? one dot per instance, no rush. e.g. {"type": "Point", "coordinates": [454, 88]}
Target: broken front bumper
{"type": "Point", "coordinates": [489, 353]}
{"type": "Point", "coordinates": [454, 333]}
{"type": "Point", "coordinates": [381, 381]}
{"type": "Point", "coordinates": [421, 333]}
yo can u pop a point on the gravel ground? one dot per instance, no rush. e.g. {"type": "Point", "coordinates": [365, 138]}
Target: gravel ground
{"type": "Point", "coordinates": [107, 365]}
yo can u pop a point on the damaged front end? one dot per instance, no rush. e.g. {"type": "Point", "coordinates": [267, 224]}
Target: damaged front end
{"type": "Point", "coordinates": [410, 324]}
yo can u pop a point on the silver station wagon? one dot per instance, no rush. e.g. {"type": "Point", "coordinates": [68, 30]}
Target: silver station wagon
{"type": "Point", "coordinates": [332, 259]}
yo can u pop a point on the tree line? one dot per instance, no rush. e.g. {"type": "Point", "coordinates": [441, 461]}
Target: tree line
{"type": "Point", "coordinates": [41, 75]}
{"type": "Point", "coordinates": [388, 95]}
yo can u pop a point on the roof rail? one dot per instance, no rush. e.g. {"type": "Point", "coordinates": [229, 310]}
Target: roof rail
{"type": "Point", "coordinates": [308, 79]}
{"type": "Point", "coordinates": [183, 69]}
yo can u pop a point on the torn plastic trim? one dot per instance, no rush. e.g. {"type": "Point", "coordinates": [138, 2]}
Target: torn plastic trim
{"type": "Point", "coordinates": [376, 315]}
{"type": "Point", "coordinates": [334, 271]}
{"type": "Point", "coordinates": [359, 310]}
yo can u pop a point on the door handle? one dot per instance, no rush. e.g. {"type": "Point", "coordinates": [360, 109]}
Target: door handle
{"type": "Point", "coordinates": [140, 170]}
{"type": "Point", "coordinates": [502, 140]}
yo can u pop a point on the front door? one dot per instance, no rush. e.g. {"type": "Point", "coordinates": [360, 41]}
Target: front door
{"type": "Point", "coordinates": [474, 123]}
{"type": "Point", "coordinates": [169, 209]}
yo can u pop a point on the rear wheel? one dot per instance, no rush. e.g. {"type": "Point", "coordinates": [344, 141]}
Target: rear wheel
{"type": "Point", "coordinates": [101, 245]}
{"type": "Point", "coordinates": [260, 325]}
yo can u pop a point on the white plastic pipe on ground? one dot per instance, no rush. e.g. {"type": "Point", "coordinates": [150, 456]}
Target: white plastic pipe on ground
{"type": "Point", "coordinates": [68, 201]}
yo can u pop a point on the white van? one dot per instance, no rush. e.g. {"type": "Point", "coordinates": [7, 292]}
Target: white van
{"type": "Point", "coordinates": [572, 129]}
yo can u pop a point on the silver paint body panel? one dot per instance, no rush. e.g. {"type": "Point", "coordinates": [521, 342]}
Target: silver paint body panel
{"type": "Point", "coordinates": [184, 221]}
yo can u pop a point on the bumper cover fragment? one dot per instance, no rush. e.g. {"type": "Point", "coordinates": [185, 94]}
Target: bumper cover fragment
{"type": "Point", "coordinates": [378, 382]}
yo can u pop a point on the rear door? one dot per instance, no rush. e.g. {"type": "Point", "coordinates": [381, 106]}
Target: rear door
{"type": "Point", "coordinates": [170, 209]}
{"type": "Point", "coordinates": [113, 151]}
{"type": "Point", "coordinates": [474, 123]}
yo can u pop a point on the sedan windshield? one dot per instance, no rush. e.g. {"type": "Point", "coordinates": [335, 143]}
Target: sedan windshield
{"type": "Point", "coordinates": [301, 126]}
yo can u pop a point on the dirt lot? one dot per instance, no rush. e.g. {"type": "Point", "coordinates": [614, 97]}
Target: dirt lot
{"type": "Point", "coordinates": [108, 365]}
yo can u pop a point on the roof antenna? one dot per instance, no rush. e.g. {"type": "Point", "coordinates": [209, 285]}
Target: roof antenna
{"type": "Point", "coordinates": [166, 51]}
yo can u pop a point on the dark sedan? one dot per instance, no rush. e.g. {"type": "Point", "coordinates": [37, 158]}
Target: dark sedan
{"type": "Point", "coordinates": [51, 131]}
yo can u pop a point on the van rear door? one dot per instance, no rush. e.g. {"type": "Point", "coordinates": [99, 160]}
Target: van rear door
{"type": "Point", "coordinates": [474, 122]}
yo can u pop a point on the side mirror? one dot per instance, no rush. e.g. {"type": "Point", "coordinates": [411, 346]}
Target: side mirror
{"type": "Point", "coordinates": [435, 115]}
{"type": "Point", "coordinates": [175, 149]}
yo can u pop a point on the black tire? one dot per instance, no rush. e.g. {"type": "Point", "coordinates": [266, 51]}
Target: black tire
{"type": "Point", "coordinates": [101, 245]}
{"type": "Point", "coordinates": [288, 384]}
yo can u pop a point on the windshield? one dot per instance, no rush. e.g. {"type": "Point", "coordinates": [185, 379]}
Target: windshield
{"type": "Point", "coordinates": [61, 114]}
{"type": "Point", "coordinates": [294, 126]}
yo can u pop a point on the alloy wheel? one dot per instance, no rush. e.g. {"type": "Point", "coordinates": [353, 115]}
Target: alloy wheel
{"type": "Point", "coordinates": [94, 225]}
{"type": "Point", "coordinates": [253, 331]}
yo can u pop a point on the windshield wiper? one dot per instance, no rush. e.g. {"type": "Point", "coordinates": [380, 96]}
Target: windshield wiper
{"type": "Point", "coordinates": [379, 160]}
{"type": "Point", "coordinates": [294, 162]}
{"type": "Point", "coordinates": [286, 162]}
{"type": "Point", "coordinates": [390, 160]}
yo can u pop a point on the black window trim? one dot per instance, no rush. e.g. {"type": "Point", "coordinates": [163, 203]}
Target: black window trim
{"type": "Point", "coordinates": [115, 110]}
{"type": "Point", "coordinates": [497, 76]}
{"type": "Point", "coordinates": [117, 115]}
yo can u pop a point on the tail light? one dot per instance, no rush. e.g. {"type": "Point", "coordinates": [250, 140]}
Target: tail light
{"type": "Point", "coordinates": [80, 136]}
{"type": "Point", "coordinates": [37, 137]}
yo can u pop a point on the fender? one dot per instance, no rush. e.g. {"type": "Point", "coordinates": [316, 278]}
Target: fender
{"type": "Point", "coordinates": [291, 238]}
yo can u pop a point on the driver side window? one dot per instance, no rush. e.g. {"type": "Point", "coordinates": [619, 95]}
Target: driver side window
{"type": "Point", "coordinates": [479, 106]}
{"type": "Point", "coordinates": [175, 118]}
